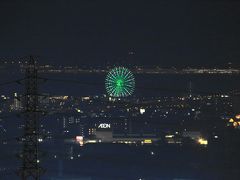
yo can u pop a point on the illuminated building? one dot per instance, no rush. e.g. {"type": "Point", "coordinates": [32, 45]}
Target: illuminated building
{"type": "Point", "coordinates": [104, 132]}
{"type": "Point", "coordinates": [16, 102]}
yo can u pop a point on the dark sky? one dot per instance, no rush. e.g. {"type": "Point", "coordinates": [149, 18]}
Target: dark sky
{"type": "Point", "coordinates": [165, 33]}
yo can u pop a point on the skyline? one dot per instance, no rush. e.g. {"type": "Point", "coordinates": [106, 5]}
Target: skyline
{"type": "Point", "coordinates": [80, 131]}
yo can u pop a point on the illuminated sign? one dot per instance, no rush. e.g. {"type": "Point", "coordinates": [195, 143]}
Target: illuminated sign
{"type": "Point", "coordinates": [147, 141]}
{"type": "Point", "coordinates": [104, 126]}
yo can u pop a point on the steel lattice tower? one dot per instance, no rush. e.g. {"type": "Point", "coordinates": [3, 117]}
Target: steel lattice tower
{"type": "Point", "coordinates": [30, 153]}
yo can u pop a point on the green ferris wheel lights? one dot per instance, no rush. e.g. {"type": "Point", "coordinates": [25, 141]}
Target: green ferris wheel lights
{"type": "Point", "coordinates": [120, 82]}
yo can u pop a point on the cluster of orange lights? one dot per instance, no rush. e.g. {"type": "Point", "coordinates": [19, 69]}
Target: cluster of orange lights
{"type": "Point", "coordinates": [235, 121]}
{"type": "Point", "coordinates": [237, 116]}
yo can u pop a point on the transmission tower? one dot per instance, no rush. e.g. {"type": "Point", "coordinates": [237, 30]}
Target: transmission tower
{"type": "Point", "coordinates": [30, 168]}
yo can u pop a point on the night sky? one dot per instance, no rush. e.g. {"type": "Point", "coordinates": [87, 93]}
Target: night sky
{"type": "Point", "coordinates": [164, 33]}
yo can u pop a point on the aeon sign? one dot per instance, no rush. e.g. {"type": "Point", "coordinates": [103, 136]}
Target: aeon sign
{"type": "Point", "coordinates": [104, 126]}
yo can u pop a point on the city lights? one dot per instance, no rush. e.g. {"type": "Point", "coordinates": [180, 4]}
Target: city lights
{"type": "Point", "coordinates": [202, 141]}
{"type": "Point", "coordinates": [116, 90]}
{"type": "Point", "coordinates": [147, 141]}
{"type": "Point", "coordinates": [142, 110]}
{"type": "Point", "coordinates": [237, 116]}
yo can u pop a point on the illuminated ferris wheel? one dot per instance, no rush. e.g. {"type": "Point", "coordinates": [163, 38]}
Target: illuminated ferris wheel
{"type": "Point", "coordinates": [120, 82]}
